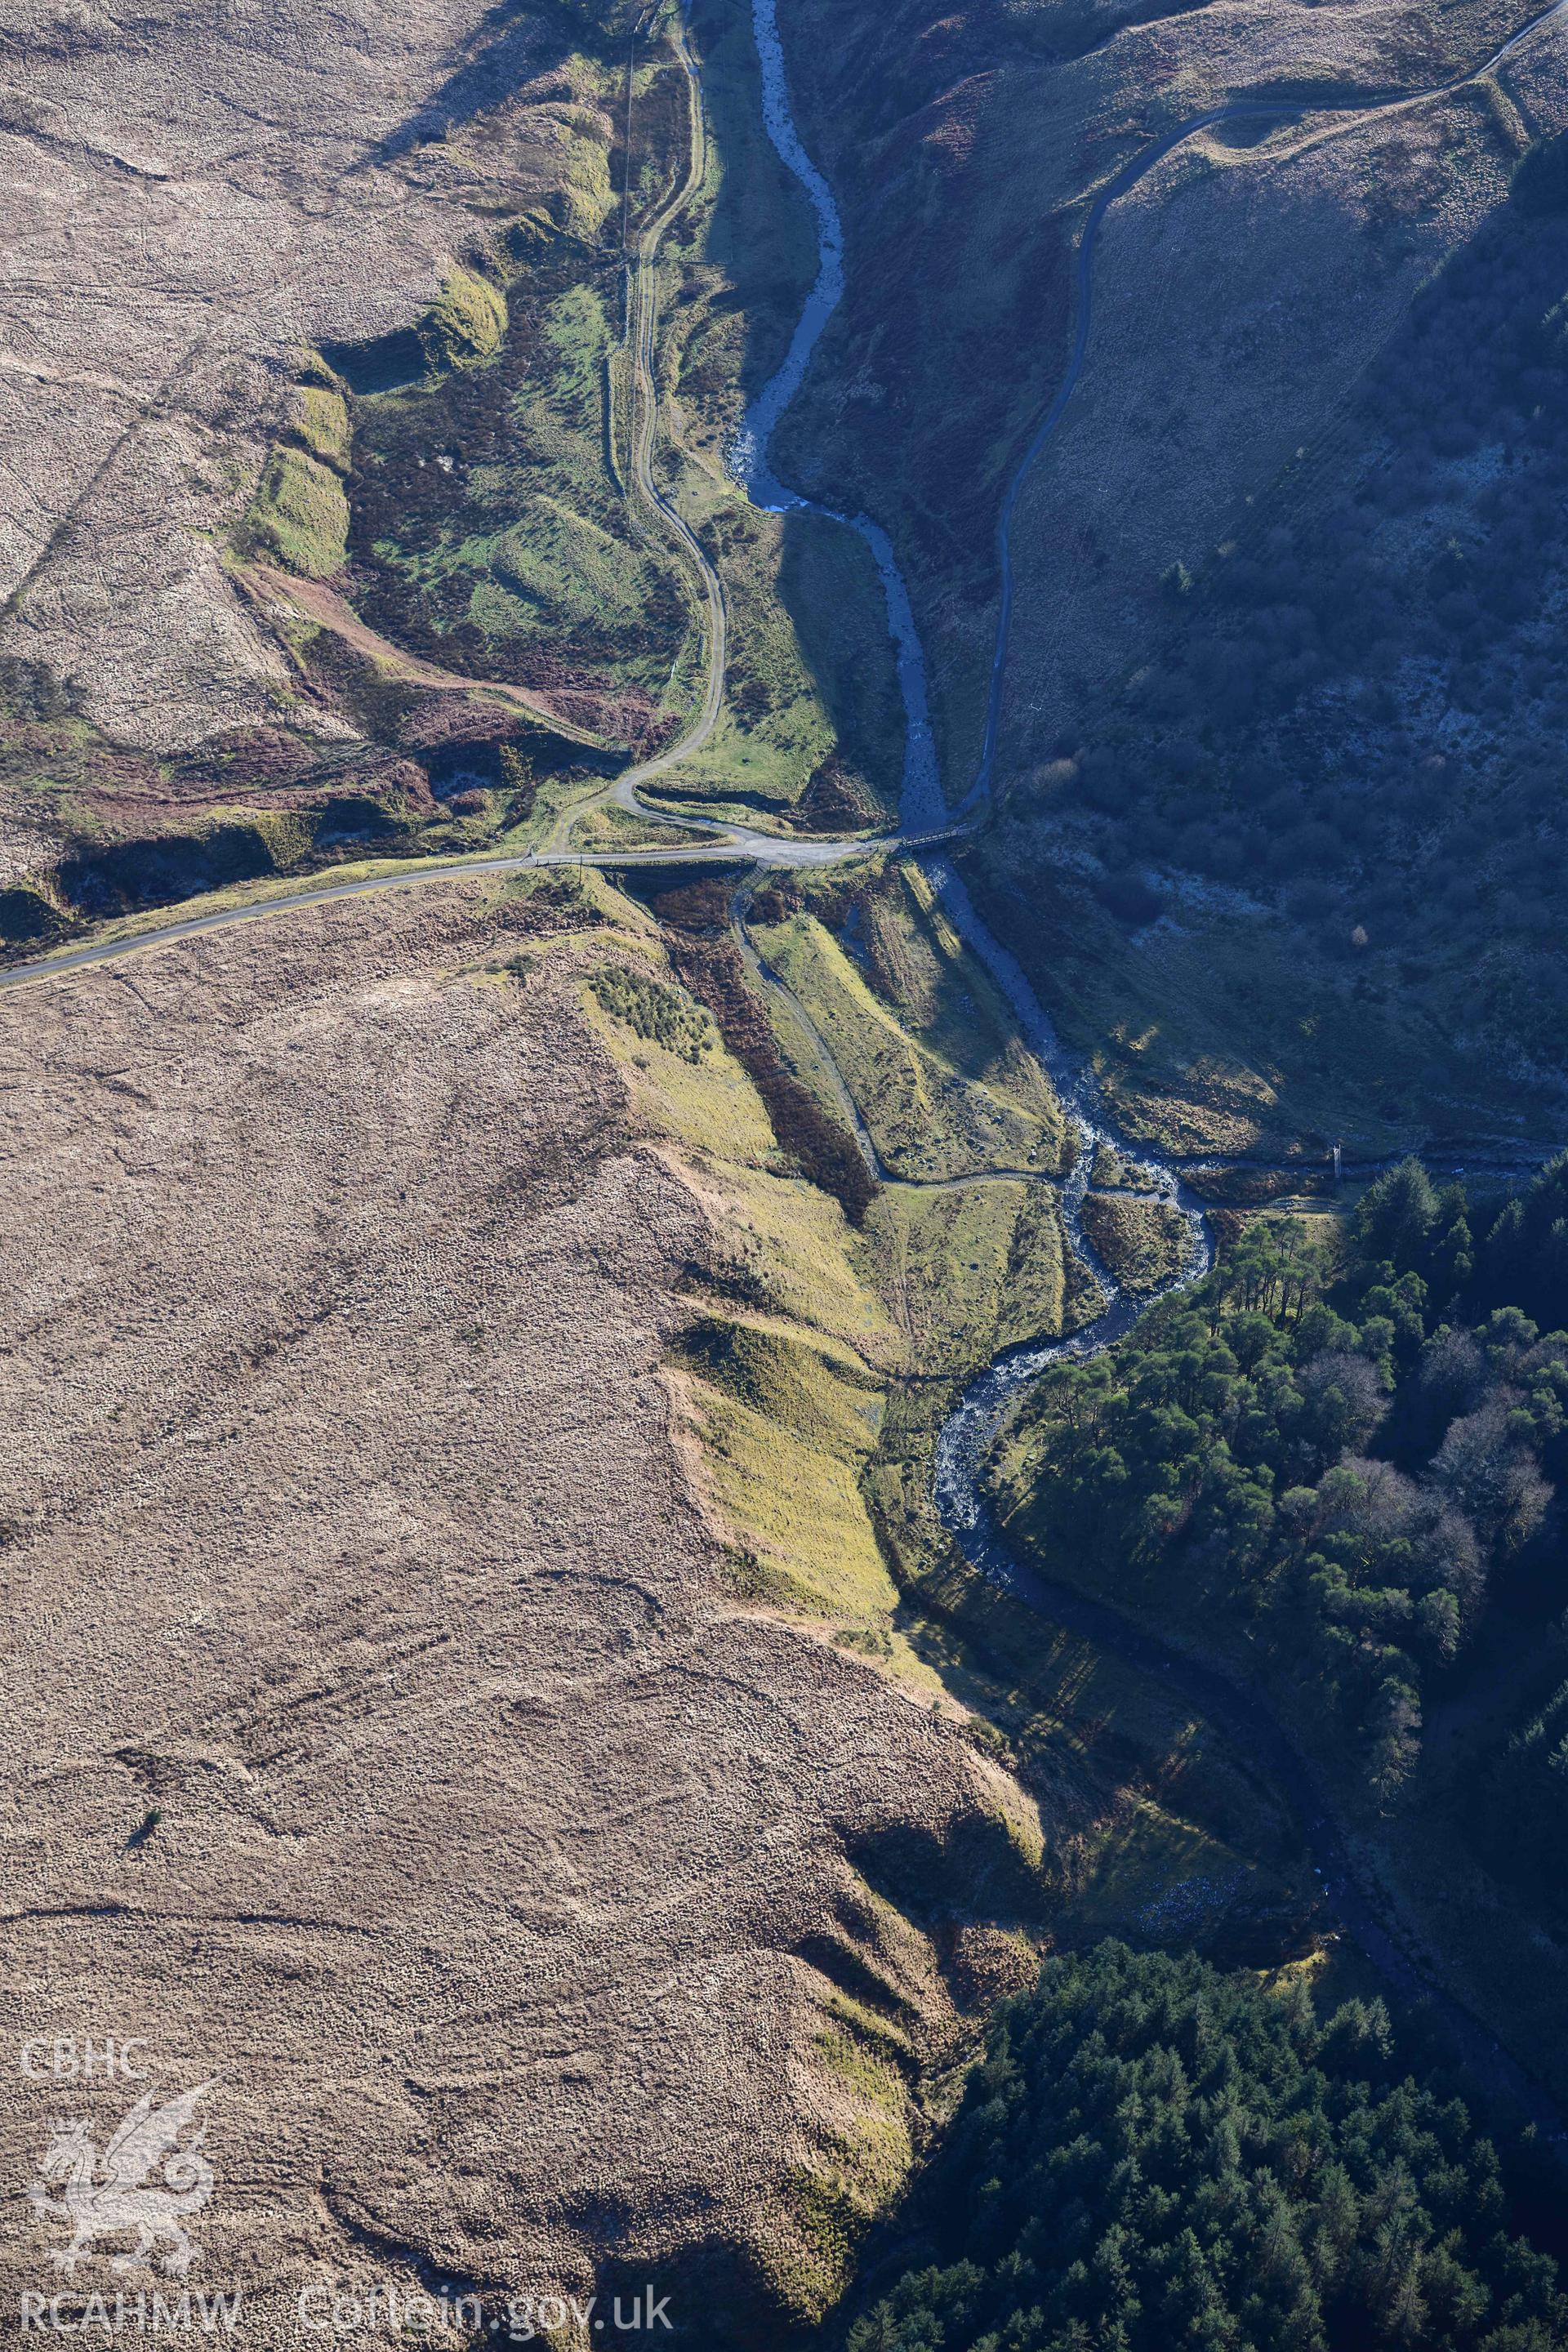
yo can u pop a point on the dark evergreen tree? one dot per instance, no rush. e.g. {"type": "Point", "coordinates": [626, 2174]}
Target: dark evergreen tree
{"type": "Point", "coordinates": [1154, 2156]}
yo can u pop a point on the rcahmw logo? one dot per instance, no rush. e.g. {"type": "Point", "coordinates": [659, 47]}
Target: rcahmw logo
{"type": "Point", "coordinates": [146, 2185]}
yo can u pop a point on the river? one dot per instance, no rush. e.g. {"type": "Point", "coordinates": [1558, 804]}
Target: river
{"type": "Point", "coordinates": [970, 1433]}
{"type": "Point", "coordinates": [970, 1430]}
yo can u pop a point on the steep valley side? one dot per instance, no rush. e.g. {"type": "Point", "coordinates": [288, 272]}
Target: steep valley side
{"type": "Point", "coordinates": [467, 1706]}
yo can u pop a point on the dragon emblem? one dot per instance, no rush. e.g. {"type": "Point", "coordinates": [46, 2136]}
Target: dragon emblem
{"type": "Point", "coordinates": [118, 2197]}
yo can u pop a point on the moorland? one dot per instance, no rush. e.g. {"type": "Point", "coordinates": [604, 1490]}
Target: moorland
{"type": "Point", "coordinates": [820, 1544]}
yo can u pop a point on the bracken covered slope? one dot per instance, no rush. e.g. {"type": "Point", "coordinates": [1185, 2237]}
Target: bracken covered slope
{"type": "Point", "coordinates": [1239, 290]}
{"type": "Point", "coordinates": [194, 197]}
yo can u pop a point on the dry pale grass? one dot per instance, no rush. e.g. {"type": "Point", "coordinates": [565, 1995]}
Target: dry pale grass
{"type": "Point", "coordinates": [344, 1526]}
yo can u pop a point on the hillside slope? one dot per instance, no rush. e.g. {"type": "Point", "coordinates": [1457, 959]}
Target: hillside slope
{"type": "Point", "coordinates": [192, 206]}
{"type": "Point", "coordinates": [1275, 728]}
{"type": "Point", "coordinates": [399, 1741]}
{"type": "Point", "coordinates": [1240, 289]}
